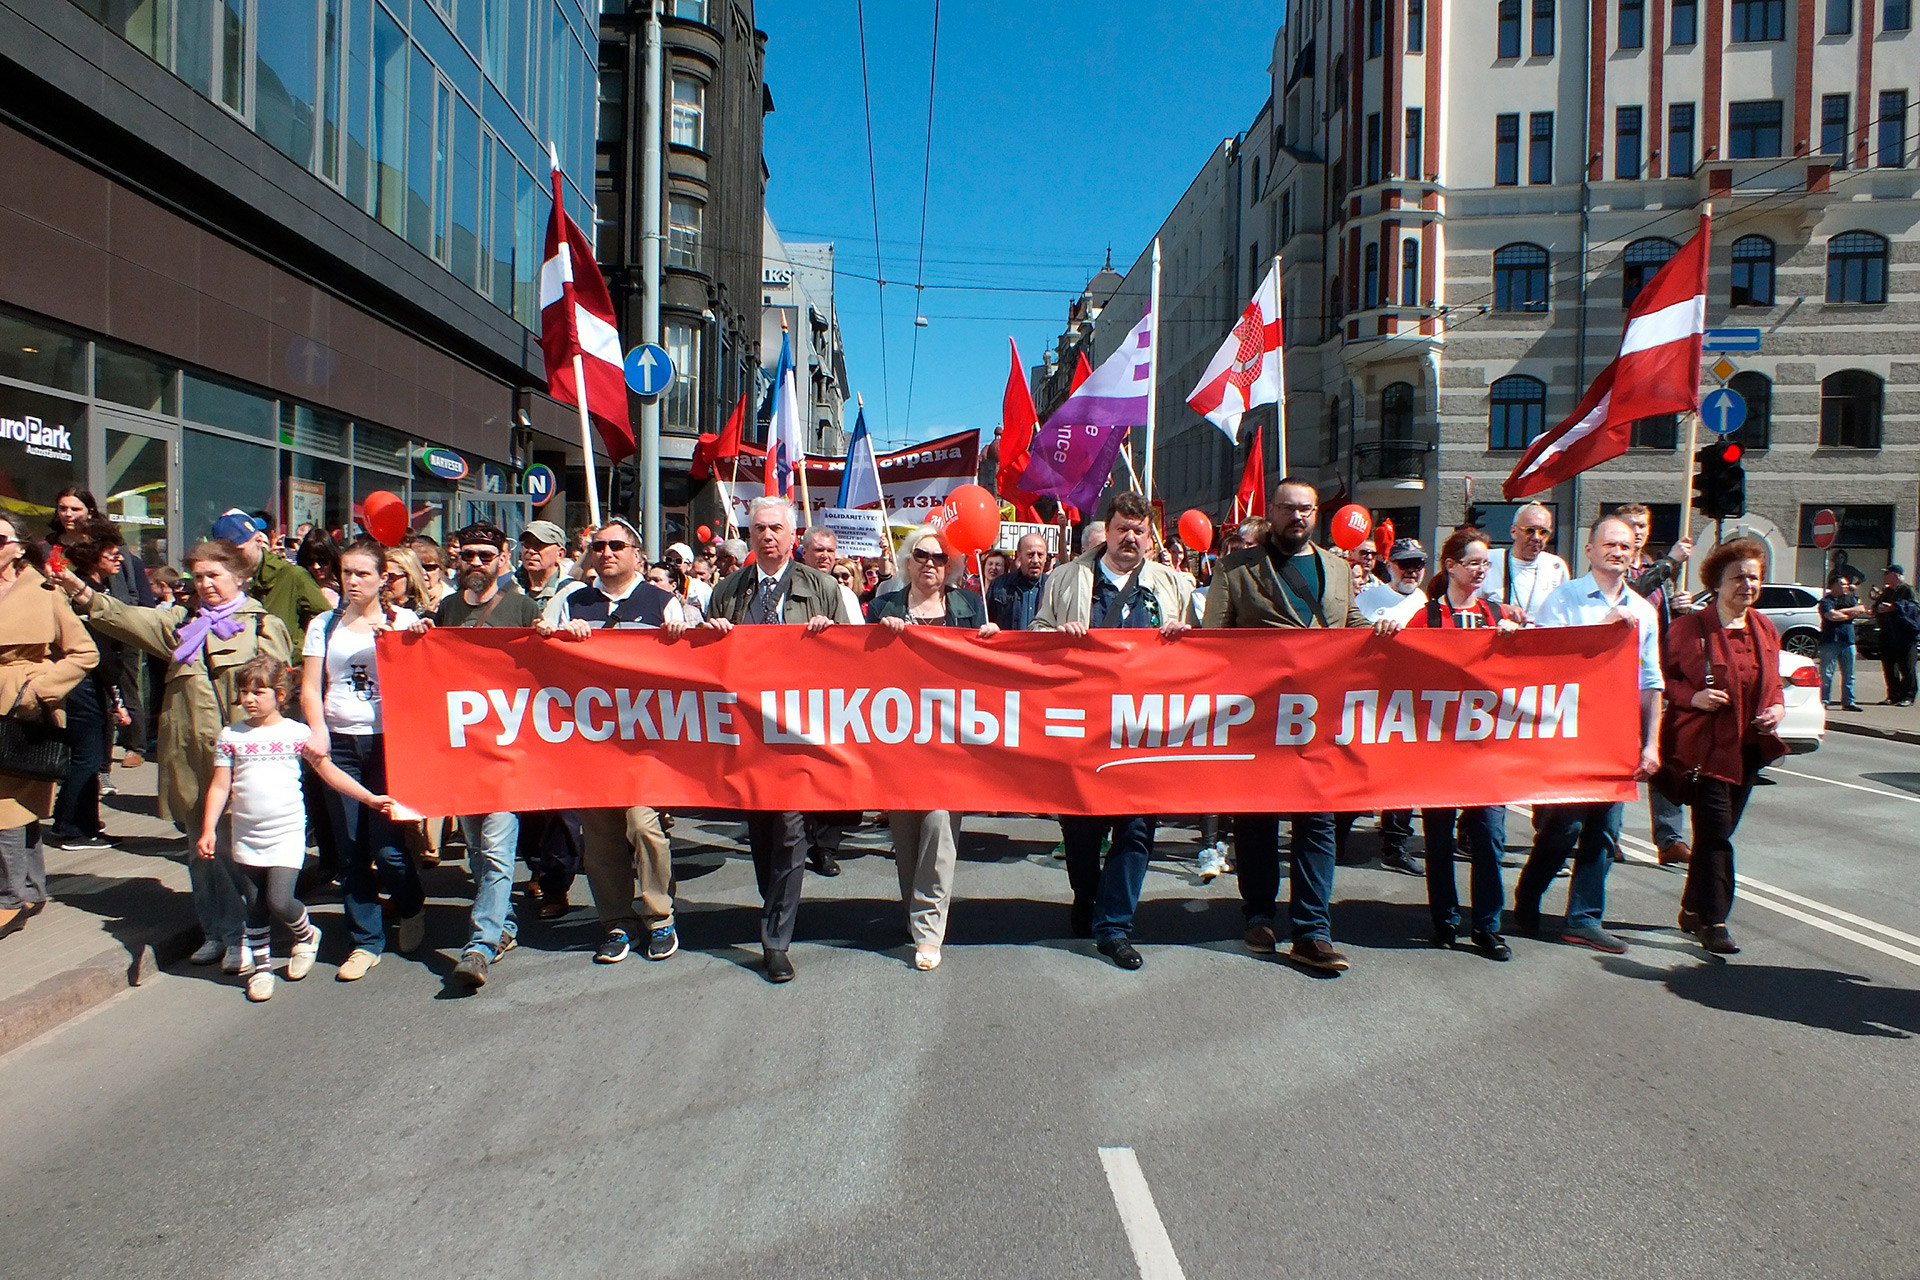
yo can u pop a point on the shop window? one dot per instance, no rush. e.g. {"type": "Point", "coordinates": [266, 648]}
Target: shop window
{"type": "Point", "coordinates": [34, 353]}
{"type": "Point", "coordinates": [378, 447]}
{"type": "Point", "coordinates": [42, 450]}
{"type": "Point", "coordinates": [218, 473]}
{"type": "Point", "coordinates": [129, 379]}
{"type": "Point", "coordinates": [216, 404]}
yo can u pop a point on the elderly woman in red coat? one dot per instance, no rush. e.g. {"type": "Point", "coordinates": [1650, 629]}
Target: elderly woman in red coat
{"type": "Point", "coordinates": [1724, 704]}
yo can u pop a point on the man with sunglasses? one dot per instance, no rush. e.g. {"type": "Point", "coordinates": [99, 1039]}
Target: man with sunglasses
{"type": "Point", "coordinates": [776, 590]}
{"type": "Point", "coordinates": [622, 844]}
{"type": "Point", "coordinates": [1526, 573]}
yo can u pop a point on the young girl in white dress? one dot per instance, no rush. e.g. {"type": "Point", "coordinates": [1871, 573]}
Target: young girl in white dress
{"type": "Point", "coordinates": [257, 765]}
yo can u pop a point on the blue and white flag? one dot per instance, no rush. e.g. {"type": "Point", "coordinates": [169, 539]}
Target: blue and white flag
{"type": "Point", "coordinates": [860, 481]}
{"type": "Point", "coordinates": [786, 449]}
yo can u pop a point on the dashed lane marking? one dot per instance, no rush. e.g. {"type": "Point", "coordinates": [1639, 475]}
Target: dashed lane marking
{"type": "Point", "coordinates": [1152, 1249]}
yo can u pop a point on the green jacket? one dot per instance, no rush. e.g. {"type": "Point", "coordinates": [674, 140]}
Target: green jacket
{"type": "Point", "coordinates": [289, 594]}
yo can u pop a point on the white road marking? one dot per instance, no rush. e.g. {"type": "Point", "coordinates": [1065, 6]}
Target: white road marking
{"type": "Point", "coordinates": [1851, 786]}
{"type": "Point", "coordinates": [1152, 1249]}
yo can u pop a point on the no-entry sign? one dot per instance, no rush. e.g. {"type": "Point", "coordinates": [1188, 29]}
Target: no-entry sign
{"type": "Point", "coordinates": [1826, 527]}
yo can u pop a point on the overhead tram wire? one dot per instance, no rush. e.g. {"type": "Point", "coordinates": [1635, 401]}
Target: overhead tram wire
{"type": "Point", "coordinates": [926, 176]}
{"type": "Point", "coordinates": [873, 195]}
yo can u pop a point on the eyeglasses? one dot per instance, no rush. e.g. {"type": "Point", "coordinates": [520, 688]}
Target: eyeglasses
{"type": "Point", "coordinates": [1291, 508]}
{"type": "Point", "coordinates": [843, 577]}
{"type": "Point", "coordinates": [431, 566]}
{"type": "Point", "coordinates": [929, 557]}
{"type": "Point", "coordinates": [604, 545]}
{"type": "Point", "coordinates": [1411, 566]}
{"type": "Point", "coordinates": [5, 538]}
{"type": "Point", "coordinates": [1528, 531]}
{"type": "Point", "coordinates": [477, 557]}
{"type": "Point", "coordinates": [396, 576]}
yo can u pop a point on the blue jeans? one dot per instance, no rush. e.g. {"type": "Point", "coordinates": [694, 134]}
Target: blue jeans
{"type": "Point", "coordinates": [1587, 833]}
{"type": "Point", "coordinates": [1256, 841]}
{"type": "Point", "coordinates": [1113, 889]}
{"type": "Point", "coordinates": [1669, 819]}
{"type": "Point", "coordinates": [1838, 654]}
{"type": "Point", "coordinates": [370, 852]}
{"type": "Point", "coordinates": [1484, 832]}
{"type": "Point", "coordinates": [491, 840]}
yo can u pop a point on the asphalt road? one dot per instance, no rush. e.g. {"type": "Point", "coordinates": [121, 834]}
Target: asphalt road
{"type": "Point", "coordinates": [1426, 1114]}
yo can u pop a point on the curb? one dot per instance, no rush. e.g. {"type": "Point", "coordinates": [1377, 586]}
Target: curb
{"type": "Point", "coordinates": [66, 996]}
{"type": "Point", "coordinates": [1909, 736]}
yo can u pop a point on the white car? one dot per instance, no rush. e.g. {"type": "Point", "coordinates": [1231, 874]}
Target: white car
{"type": "Point", "coordinates": [1806, 720]}
{"type": "Point", "coordinates": [1794, 611]}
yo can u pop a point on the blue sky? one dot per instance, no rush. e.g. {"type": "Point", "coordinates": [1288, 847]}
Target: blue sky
{"type": "Point", "coordinates": [1057, 130]}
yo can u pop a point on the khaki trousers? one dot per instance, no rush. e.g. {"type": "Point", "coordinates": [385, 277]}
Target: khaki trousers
{"type": "Point", "coordinates": [925, 848]}
{"type": "Point", "coordinates": [622, 846]}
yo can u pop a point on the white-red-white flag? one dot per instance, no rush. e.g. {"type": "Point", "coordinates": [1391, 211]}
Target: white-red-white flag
{"type": "Point", "coordinates": [1657, 371]}
{"type": "Point", "coordinates": [576, 319]}
{"type": "Point", "coordinates": [1246, 370]}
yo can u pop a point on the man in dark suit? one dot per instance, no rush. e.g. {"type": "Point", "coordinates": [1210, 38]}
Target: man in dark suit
{"type": "Point", "coordinates": [776, 589]}
{"type": "Point", "coordinates": [1286, 581]}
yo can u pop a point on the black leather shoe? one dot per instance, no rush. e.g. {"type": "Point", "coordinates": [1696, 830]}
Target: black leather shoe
{"type": "Point", "coordinates": [825, 864]}
{"type": "Point", "coordinates": [1717, 939]}
{"type": "Point", "coordinates": [1444, 939]}
{"type": "Point", "coordinates": [1121, 952]}
{"type": "Point", "coordinates": [1080, 919]}
{"type": "Point", "coordinates": [1525, 921]}
{"type": "Point", "coordinates": [1491, 945]}
{"type": "Point", "coordinates": [779, 968]}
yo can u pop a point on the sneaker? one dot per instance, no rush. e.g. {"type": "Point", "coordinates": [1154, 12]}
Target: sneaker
{"type": "Point", "coordinates": [86, 842]}
{"type": "Point", "coordinates": [1261, 939]}
{"type": "Point", "coordinates": [1213, 863]}
{"type": "Point", "coordinates": [260, 986]}
{"type": "Point", "coordinates": [1403, 862]}
{"type": "Point", "coordinates": [1852, 706]}
{"type": "Point", "coordinates": [1592, 935]}
{"type": "Point", "coordinates": [472, 969]}
{"type": "Point", "coordinates": [300, 959]}
{"type": "Point", "coordinates": [355, 966]}
{"type": "Point", "coordinates": [617, 947]}
{"type": "Point", "coordinates": [238, 960]}
{"type": "Point", "coordinates": [207, 952]}
{"type": "Point", "coordinates": [107, 788]}
{"type": "Point", "coordinates": [412, 931]}
{"type": "Point", "coordinates": [662, 941]}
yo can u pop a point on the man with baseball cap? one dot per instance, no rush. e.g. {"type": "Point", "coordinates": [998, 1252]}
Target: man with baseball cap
{"type": "Point", "coordinates": [543, 544]}
{"type": "Point", "coordinates": [287, 591]}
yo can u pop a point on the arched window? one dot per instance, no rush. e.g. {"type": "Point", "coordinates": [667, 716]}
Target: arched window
{"type": "Point", "coordinates": [1757, 431]}
{"type": "Point", "coordinates": [1752, 272]}
{"type": "Point", "coordinates": [1639, 263]}
{"type": "Point", "coordinates": [1518, 412]}
{"type": "Point", "coordinates": [1850, 403]}
{"type": "Point", "coordinates": [1520, 278]}
{"type": "Point", "coordinates": [1857, 267]}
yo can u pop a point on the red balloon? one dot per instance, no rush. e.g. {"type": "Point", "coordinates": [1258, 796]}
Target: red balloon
{"type": "Point", "coordinates": [385, 517]}
{"type": "Point", "coordinates": [1351, 525]}
{"type": "Point", "coordinates": [1196, 530]}
{"type": "Point", "coordinates": [706, 534]}
{"type": "Point", "coordinates": [969, 520]}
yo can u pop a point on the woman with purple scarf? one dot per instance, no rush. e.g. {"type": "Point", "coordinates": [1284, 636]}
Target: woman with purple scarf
{"type": "Point", "coordinates": [206, 645]}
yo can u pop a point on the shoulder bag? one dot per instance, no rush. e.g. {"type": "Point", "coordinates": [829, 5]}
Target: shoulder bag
{"type": "Point", "coordinates": [33, 748]}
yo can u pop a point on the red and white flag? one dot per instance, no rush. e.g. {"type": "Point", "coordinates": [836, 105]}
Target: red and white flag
{"type": "Point", "coordinates": [1657, 371]}
{"type": "Point", "coordinates": [1246, 369]}
{"type": "Point", "coordinates": [577, 329]}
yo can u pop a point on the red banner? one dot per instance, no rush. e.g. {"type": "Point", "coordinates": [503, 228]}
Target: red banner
{"type": "Point", "coordinates": [1117, 722]}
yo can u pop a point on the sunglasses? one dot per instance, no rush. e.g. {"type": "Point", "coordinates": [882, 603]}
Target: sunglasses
{"type": "Point", "coordinates": [929, 557]}
{"type": "Point", "coordinates": [609, 544]}
{"type": "Point", "coordinates": [396, 577]}
{"type": "Point", "coordinates": [431, 565]}
{"type": "Point", "coordinates": [477, 557]}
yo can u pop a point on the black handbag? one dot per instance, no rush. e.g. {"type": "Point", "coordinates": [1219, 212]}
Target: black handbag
{"type": "Point", "coordinates": [34, 749]}
{"type": "Point", "coordinates": [1682, 786]}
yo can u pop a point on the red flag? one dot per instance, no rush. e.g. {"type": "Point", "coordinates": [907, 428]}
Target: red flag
{"type": "Point", "coordinates": [711, 449]}
{"type": "Point", "coordinates": [1657, 371]}
{"type": "Point", "coordinates": [1081, 372]}
{"type": "Point", "coordinates": [577, 321]}
{"type": "Point", "coordinates": [1018, 421]}
{"type": "Point", "coordinates": [1251, 500]}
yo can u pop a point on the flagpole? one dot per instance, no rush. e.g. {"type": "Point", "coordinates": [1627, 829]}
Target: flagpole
{"type": "Point", "coordinates": [733, 487]}
{"type": "Point", "coordinates": [1153, 374]}
{"type": "Point", "coordinates": [586, 440]}
{"type": "Point", "coordinates": [886, 525]}
{"type": "Point", "coordinates": [1693, 447]}
{"type": "Point", "coordinates": [1280, 361]}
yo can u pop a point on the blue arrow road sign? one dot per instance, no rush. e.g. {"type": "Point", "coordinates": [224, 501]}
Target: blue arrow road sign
{"type": "Point", "coordinates": [1723, 411]}
{"type": "Point", "coordinates": [1731, 340]}
{"type": "Point", "coordinates": [649, 369]}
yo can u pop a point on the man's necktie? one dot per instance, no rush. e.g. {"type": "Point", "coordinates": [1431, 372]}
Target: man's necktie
{"type": "Point", "coordinates": [766, 605]}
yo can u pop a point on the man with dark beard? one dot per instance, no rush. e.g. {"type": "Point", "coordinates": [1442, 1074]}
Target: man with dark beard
{"type": "Point", "coordinates": [1286, 581]}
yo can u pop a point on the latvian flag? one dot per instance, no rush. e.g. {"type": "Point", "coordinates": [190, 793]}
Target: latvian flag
{"type": "Point", "coordinates": [1657, 371]}
{"type": "Point", "coordinates": [577, 322]}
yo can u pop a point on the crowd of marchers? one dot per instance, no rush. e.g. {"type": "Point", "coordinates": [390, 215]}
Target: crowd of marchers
{"type": "Point", "coordinates": [249, 674]}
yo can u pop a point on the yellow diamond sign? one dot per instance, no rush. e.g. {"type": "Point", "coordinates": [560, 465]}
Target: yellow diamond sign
{"type": "Point", "coordinates": [1723, 368]}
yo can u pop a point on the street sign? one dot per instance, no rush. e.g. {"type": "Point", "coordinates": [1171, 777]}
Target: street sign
{"type": "Point", "coordinates": [540, 483]}
{"type": "Point", "coordinates": [649, 369]}
{"type": "Point", "coordinates": [1731, 340]}
{"type": "Point", "coordinates": [1723, 369]}
{"type": "Point", "coordinates": [1722, 412]}
{"type": "Point", "coordinates": [1826, 527]}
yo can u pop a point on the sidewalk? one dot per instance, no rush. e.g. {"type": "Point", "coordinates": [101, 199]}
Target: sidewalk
{"type": "Point", "coordinates": [114, 916]}
{"type": "Point", "coordinates": [1895, 724]}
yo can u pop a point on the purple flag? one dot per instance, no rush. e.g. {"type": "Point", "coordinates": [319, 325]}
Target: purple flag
{"type": "Point", "coordinates": [1073, 452]}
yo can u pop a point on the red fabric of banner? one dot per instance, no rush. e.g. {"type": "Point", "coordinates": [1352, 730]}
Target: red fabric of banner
{"type": "Point", "coordinates": [1118, 722]}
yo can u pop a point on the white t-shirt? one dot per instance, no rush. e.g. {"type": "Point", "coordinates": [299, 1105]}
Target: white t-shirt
{"type": "Point", "coordinates": [269, 817]}
{"type": "Point", "coordinates": [352, 701]}
{"type": "Point", "coordinates": [1378, 598]}
{"type": "Point", "coordinates": [1532, 583]}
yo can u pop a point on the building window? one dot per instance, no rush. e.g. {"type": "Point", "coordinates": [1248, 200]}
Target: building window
{"type": "Point", "coordinates": [1410, 272]}
{"type": "Point", "coordinates": [1517, 412]}
{"type": "Point", "coordinates": [1509, 22]}
{"type": "Point", "coordinates": [1396, 412]}
{"type": "Point", "coordinates": [1754, 388]}
{"type": "Point", "coordinates": [680, 406]}
{"type": "Point", "coordinates": [1893, 129]}
{"type": "Point", "coordinates": [683, 232]}
{"type": "Point", "coordinates": [388, 190]}
{"type": "Point", "coordinates": [1896, 15]}
{"type": "Point", "coordinates": [1416, 163]}
{"type": "Point", "coordinates": [1686, 21]}
{"type": "Point", "coordinates": [1376, 21]}
{"type": "Point", "coordinates": [689, 112]}
{"type": "Point", "coordinates": [1543, 28]}
{"type": "Point", "coordinates": [1753, 130]}
{"type": "Point", "coordinates": [1834, 118]}
{"type": "Point", "coordinates": [1626, 142]}
{"type": "Point", "coordinates": [1755, 20]}
{"type": "Point", "coordinates": [1633, 24]}
{"type": "Point", "coordinates": [1339, 77]}
{"type": "Point", "coordinates": [1857, 267]}
{"type": "Point", "coordinates": [694, 9]}
{"type": "Point", "coordinates": [441, 198]}
{"type": "Point", "coordinates": [1373, 148]}
{"type": "Point", "coordinates": [1520, 278]}
{"type": "Point", "coordinates": [1506, 150]}
{"type": "Point", "coordinates": [1680, 140]}
{"type": "Point", "coordinates": [1639, 263]}
{"type": "Point", "coordinates": [1661, 431]}
{"type": "Point", "coordinates": [1850, 404]}
{"type": "Point", "coordinates": [1286, 216]}
{"type": "Point", "coordinates": [1540, 147]}
{"type": "Point", "coordinates": [1370, 291]}
{"type": "Point", "coordinates": [1416, 26]}
{"type": "Point", "coordinates": [1752, 272]}
{"type": "Point", "coordinates": [1839, 17]}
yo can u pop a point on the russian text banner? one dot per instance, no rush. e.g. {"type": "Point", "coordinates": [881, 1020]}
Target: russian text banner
{"type": "Point", "coordinates": [1116, 722]}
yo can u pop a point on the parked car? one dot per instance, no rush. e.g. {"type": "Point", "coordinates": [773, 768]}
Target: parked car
{"type": "Point", "coordinates": [1794, 611]}
{"type": "Point", "coordinates": [1806, 720]}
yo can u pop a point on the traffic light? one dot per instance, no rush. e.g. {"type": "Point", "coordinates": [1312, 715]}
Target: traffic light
{"type": "Point", "coordinates": [1719, 481]}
